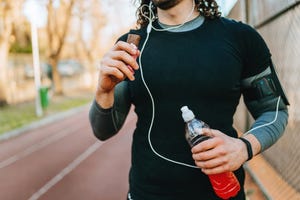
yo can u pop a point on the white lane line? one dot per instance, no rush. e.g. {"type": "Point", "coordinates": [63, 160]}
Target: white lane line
{"type": "Point", "coordinates": [66, 170]}
{"type": "Point", "coordinates": [37, 146]}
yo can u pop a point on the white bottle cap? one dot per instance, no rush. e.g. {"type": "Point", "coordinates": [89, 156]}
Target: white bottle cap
{"type": "Point", "coordinates": [187, 114]}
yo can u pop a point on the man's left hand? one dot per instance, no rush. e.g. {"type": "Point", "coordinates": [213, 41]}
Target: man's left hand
{"type": "Point", "coordinates": [219, 154]}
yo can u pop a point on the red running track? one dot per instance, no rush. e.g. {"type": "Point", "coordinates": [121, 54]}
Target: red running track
{"type": "Point", "coordinates": [63, 160]}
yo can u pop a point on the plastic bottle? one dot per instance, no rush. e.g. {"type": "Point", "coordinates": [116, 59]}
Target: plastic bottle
{"type": "Point", "coordinates": [224, 184]}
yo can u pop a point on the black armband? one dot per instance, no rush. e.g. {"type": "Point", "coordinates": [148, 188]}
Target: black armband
{"type": "Point", "coordinates": [261, 88]}
{"type": "Point", "coordinates": [277, 84]}
{"type": "Point", "coordinates": [262, 91]}
{"type": "Point", "coordinates": [265, 87]}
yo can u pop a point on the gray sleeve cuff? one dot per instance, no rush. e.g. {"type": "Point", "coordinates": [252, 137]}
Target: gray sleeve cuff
{"type": "Point", "coordinates": [101, 121]}
{"type": "Point", "coordinates": [107, 122]}
{"type": "Point", "coordinates": [269, 134]}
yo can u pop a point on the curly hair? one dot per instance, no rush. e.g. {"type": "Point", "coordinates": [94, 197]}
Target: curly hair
{"type": "Point", "coordinates": [207, 8]}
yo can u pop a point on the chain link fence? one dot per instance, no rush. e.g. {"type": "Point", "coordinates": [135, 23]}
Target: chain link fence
{"type": "Point", "coordinates": [279, 24]}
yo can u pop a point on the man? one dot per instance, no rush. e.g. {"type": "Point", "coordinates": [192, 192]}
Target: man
{"type": "Point", "coordinates": [189, 55]}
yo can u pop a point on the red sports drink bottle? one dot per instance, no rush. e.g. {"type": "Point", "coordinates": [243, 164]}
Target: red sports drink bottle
{"type": "Point", "coordinates": [225, 184]}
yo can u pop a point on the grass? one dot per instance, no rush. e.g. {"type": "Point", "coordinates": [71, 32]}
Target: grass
{"type": "Point", "coordinates": [16, 116]}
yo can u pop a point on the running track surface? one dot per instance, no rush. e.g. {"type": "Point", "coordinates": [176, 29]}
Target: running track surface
{"type": "Point", "coordinates": [64, 161]}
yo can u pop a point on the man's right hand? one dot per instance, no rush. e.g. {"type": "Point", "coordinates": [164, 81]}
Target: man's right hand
{"type": "Point", "coordinates": [114, 68]}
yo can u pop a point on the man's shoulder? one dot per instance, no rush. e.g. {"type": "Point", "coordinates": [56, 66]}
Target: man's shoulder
{"type": "Point", "coordinates": [238, 29]}
{"type": "Point", "coordinates": [139, 31]}
{"type": "Point", "coordinates": [236, 26]}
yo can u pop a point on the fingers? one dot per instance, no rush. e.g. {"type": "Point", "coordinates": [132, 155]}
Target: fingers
{"type": "Point", "coordinates": [210, 159]}
{"type": "Point", "coordinates": [207, 144]}
{"type": "Point", "coordinates": [114, 71]}
{"type": "Point", "coordinates": [211, 132]}
{"type": "Point", "coordinates": [116, 65]}
{"type": "Point", "coordinates": [126, 58]}
{"type": "Point", "coordinates": [213, 165]}
{"type": "Point", "coordinates": [110, 66]}
{"type": "Point", "coordinates": [124, 46]}
{"type": "Point", "coordinates": [123, 58]}
{"type": "Point", "coordinates": [218, 154]}
{"type": "Point", "coordinates": [127, 53]}
{"type": "Point", "coordinates": [211, 155]}
{"type": "Point", "coordinates": [216, 170]}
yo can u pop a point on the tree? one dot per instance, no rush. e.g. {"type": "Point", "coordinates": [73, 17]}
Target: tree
{"type": "Point", "coordinates": [58, 23]}
{"type": "Point", "coordinates": [90, 24]}
{"type": "Point", "coordinates": [9, 10]}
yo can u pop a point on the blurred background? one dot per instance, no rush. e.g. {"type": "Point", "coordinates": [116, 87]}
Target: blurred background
{"type": "Point", "coordinates": [278, 21]}
{"type": "Point", "coordinates": [72, 35]}
{"type": "Point", "coordinates": [49, 51]}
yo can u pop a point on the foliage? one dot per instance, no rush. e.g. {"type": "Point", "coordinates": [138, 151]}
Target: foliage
{"type": "Point", "coordinates": [16, 116]}
{"type": "Point", "coordinates": [17, 48]}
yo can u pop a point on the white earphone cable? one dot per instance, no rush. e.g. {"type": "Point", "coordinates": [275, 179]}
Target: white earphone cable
{"type": "Point", "coordinates": [153, 111]}
{"type": "Point", "coordinates": [152, 17]}
{"type": "Point", "coordinates": [267, 124]}
{"type": "Point", "coordinates": [149, 27]}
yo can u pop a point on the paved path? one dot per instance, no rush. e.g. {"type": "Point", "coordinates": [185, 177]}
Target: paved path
{"type": "Point", "coordinates": [63, 160]}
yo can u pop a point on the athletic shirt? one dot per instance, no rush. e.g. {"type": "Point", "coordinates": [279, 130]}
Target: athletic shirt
{"type": "Point", "coordinates": [200, 68]}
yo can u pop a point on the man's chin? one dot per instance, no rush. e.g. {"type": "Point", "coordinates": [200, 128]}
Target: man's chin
{"type": "Point", "coordinates": [165, 4]}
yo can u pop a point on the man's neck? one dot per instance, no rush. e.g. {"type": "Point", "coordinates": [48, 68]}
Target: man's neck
{"type": "Point", "coordinates": [178, 14]}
